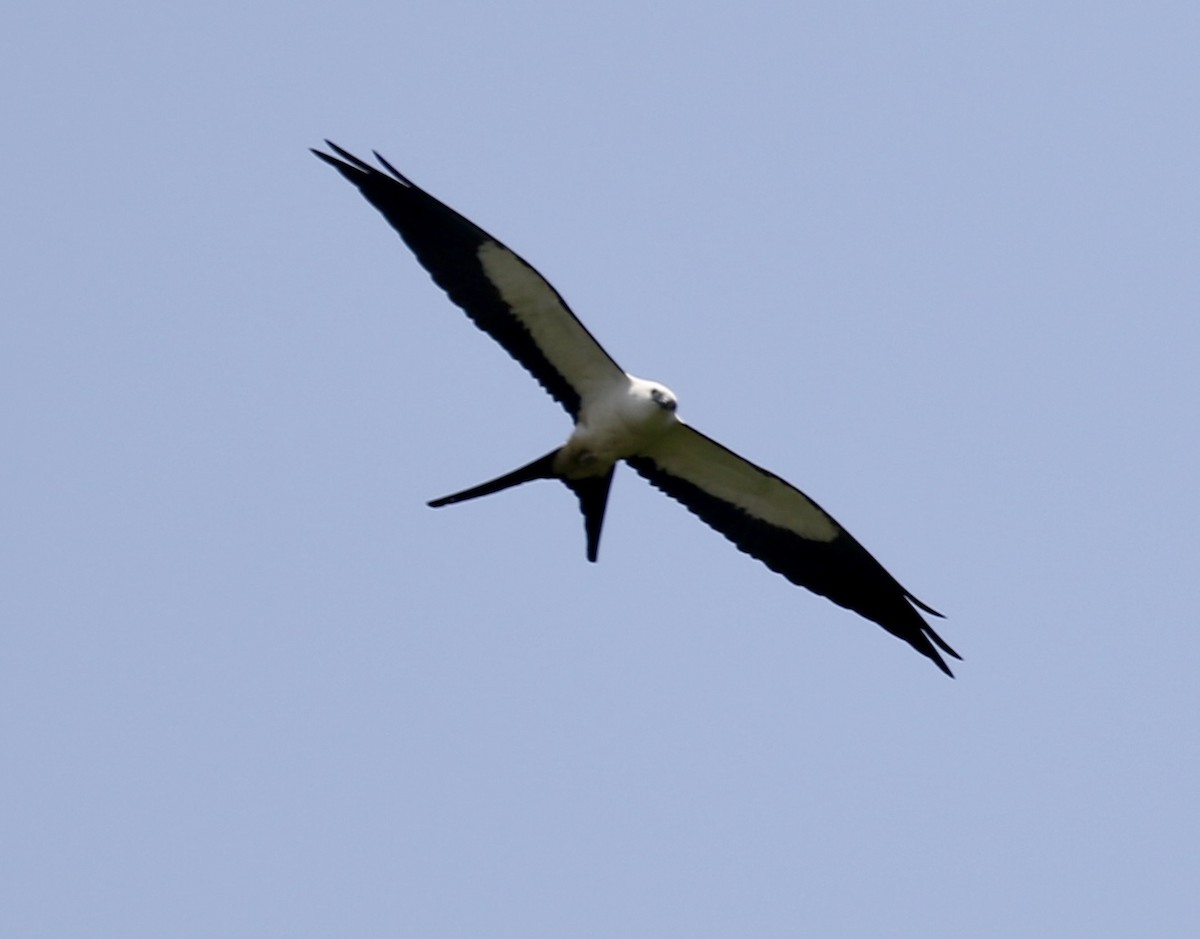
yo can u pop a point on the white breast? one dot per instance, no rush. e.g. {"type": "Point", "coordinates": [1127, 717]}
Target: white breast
{"type": "Point", "coordinates": [620, 423]}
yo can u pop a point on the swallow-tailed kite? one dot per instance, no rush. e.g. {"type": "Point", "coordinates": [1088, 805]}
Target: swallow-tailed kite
{"type": "Point", "coordinates": [620, 417]}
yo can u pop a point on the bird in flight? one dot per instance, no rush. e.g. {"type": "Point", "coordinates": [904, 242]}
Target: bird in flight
{"type": "Point", "coordinates": [620, 417]}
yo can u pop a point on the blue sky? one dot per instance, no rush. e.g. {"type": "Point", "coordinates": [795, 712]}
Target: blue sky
{"type": "Point", "coordinates": [934, 263]}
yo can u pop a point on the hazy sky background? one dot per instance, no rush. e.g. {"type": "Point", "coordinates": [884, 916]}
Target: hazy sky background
{"type": "Point", "coordinates": [935, 263]}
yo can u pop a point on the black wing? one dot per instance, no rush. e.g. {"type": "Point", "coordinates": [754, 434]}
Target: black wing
{"type": "Point", "coordinates": [772, 520]}
{"type": "Point", "coordinates": [502, 294]}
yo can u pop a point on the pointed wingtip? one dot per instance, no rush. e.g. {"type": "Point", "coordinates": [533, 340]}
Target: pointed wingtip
{"type": "Point", "coordinates": [349, 165]}
{"type": "Point", "coordinates": [391, 169]}
{"type": "Point", "coordinates": [322, 155]}
{"type": "Point", "coordinates": [941, 643]}
{"type": "Point", "coordinates": [941, 663]}
{"type": "Point", "coordinates": [923, 606]}
{"type": "Point", "coordinates": [353, 168]}
{"type": "Point", "coordinates": [930, 650]}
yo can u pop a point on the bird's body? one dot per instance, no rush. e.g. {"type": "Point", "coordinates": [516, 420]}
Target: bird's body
{"type": "Point", "coordinates": [619, 417]}
{"type": "Point", "coordinates": [622, 421]}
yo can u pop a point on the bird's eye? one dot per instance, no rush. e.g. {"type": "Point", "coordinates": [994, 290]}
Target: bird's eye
{"type": "Point", "coordinates": [662, 399]}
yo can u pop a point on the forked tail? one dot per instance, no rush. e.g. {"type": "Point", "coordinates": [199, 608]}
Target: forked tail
{"type": "Point", "coordinates": [592, 492]}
